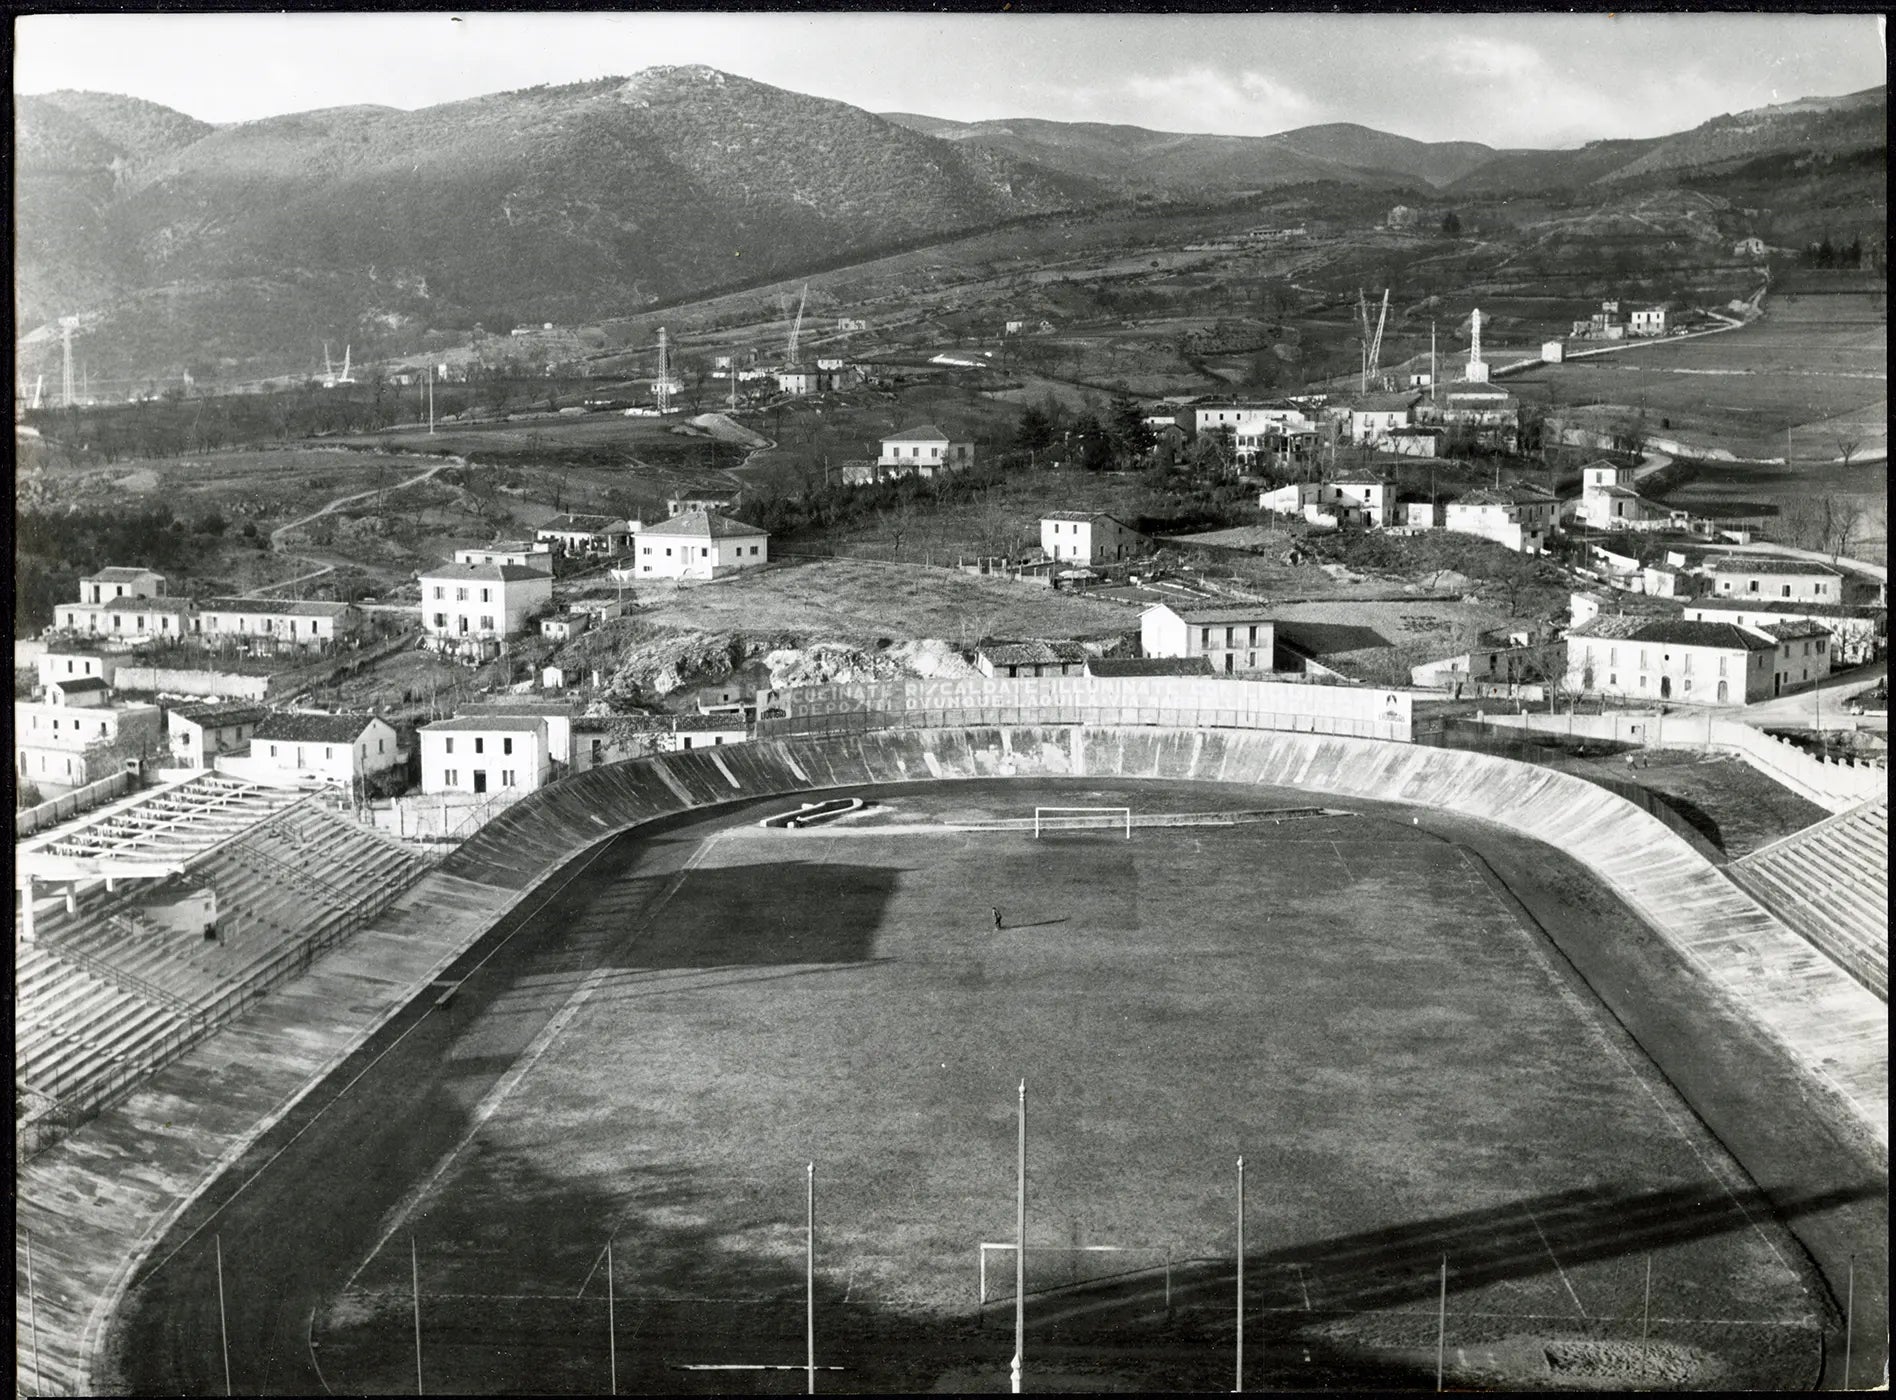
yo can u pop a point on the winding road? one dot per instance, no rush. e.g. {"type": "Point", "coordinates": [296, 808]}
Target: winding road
{"type": "Point", "coordinates": [277, 535]}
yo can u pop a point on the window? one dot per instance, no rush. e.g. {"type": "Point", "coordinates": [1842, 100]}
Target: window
{"type": "Point", "coordinates": [460, 595]}
{"type": "Point", "coordinates": [381, 746]}
{"type": "Point", "coordinates": [1787, 590]}
{"type": "Point", "coordinates": [439, 592]}
{"type": "Point", "coordinates": [506, 745]}
{"type": "Point", "coordinates": [1721, 665]}
{"type": "Point", "coordinates": [1752, 586]}
{"type": "Point", "coordinates": [273, 750]}
{"type": "Point", "coordinates": [645, 549]}
{"type": "Point", "coordinates": [328, 751]}
{"type": "Point", "coordinates": [506, 777]}
{"type": "Point", "coordinates": [485, 595]}
{"type": "Point", "coordinates": [450, 747]}
{"type": "Point", "coordinates": [480, 745]}
{"type": "Point", "coordinates": [1204, 636]}
{"type": "Point", "coordinates": [441, 620]}
{"type": "Point", "coordinates": [451, 777]}
{"type": "Point", "coordinates": [487, 622]}
{"type": "Point", "coordinates": [1253, 635]}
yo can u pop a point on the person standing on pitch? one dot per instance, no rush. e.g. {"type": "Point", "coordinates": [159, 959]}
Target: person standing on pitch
{"type": "Point", "coordinates": [997, 920]}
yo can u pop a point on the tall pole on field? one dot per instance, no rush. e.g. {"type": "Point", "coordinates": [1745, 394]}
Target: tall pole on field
{"type": "Point", "coordinates": [414, 1275]}
{"type": "Point", "coordinates": [612, 1326]}
{"type": "Point", "coordinates": [32, 1312]}
{"type": "Point", "coordinates": [1645, 1315]}
{"type": "Point", "coordinates": [809, 1275]}
{"type": "Point", "coordinates": [1441, 1328]}
{"type": "Point", "coordinates": [223, 1327]}
{"type": "Point", "coordinates": [1240, 1383]}
{"type": "Point", "coordinates": [1849, 1318]}
{"type": "Point", "coordinates": [431, 375]}
{"type": "Point", "coordinates": [1020, 1240]}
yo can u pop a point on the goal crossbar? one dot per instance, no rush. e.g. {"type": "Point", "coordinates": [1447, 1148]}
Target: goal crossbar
{"type": "Point", "coordinates": [1153, 1257]}
{"type": "Point", "coordinates": [1081, 819]}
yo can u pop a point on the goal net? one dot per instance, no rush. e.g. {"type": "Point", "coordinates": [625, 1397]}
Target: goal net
{"type": "Point", "coordinates": [1056, 1266]}
{"type": "Point", "coordinates": [1082, 819]}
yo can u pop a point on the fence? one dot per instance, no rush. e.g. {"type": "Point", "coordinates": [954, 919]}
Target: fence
{"type": "Point", "coordinates": [445, 818]}
{"type": "Point", "coordinates": [54, 810]}
{"type": "Point", "coordinates": [864, 707]}
{"type": "Point", "coordinates": [1835, 784]}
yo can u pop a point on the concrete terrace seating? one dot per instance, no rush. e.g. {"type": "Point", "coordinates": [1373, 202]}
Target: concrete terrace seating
{"type": "Point", "coordinates": [74, 1031]}
{"type": "Point", "coordinates": [1830, 882]}
{"type": "Point", "coordinates": [1836, 1028]}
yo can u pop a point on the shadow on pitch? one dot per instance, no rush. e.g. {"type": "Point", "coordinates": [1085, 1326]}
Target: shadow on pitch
{"type": "Point", "coordinates": [1007, 927]}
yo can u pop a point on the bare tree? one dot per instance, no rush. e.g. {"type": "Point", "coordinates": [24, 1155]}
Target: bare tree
{"type": "Point", "coordinates": [1847, 446]}
{"type": "Point", "coordinates": [1842, 517]}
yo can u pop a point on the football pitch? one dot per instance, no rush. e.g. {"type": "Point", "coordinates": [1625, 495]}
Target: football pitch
{"type": "Point", "coordinates": [1350, 1003]}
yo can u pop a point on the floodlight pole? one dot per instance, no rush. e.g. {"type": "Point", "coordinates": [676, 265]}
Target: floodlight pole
{"type": "Point", "coordinates": [809, 1275]}
{"type": "Point", "coordinates": [414, 1274]}
{"type": "Point", "coordinates": [612, 1327]}
{"type": "Point", "coordinates": [1645, 1316]}
{"type": "Point", "coordinates": [1240, 1378]}
{"type": "Point", "coordinates": [1849, 1319]}
{"type": "Point", "coordinates": [1020, 1241]}
{"type": "Point", "coordinates": [1441, 1328]}
{"type": "Point", "coordinates": [32, 1312]}
{"type": "Point", "coordinates": [223, 1327]}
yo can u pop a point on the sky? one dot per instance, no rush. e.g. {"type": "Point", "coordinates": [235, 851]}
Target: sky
{"type": "Point", "coordinates": [1545, 80]}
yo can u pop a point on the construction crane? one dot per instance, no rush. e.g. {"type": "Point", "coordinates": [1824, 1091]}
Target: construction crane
{"type": "Point", "coordinates": [330, 377]}
{"type": "Point", "coordinates": [1372, 342]}
{"type": "Point", "coordinates": [662, 386]}
{"type": "Point", "coordinates": [796, 326]}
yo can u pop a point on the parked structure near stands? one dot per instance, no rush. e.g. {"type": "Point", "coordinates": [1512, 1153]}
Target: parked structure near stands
{"type": "Point", "coordinates": [1231, 639]}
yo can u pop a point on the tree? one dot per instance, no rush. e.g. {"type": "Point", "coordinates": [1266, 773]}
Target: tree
{"type": "Point", "coordinates": [1842, 516]}
{"type": "Point", "coordinates": [1451, 224]}
{"type": "Point", "coordinates": [1126, 427]}
{"type": "Point", "coordinates": [1034, 433]}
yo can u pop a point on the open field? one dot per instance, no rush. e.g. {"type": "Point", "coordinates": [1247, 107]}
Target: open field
{"type": "Point", "coordinates": [1810, 360]}
{"type": "Point", "coordinates": [861, 602]}
{"type": "Point", "coordinates": [726, 1004]}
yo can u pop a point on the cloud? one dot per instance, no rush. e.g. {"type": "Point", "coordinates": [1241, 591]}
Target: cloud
{"type": "Point", "coordinates": [1486, 58]}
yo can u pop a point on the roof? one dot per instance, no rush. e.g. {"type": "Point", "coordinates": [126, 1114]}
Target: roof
{"type": "Point", "coordinates": [1084, 516]}
{"type": "Point", "coordinates": [578, 525]}
{"type": "Point", "coordinates": [926, 432]}
{"type": "Point", "coordinates": [1418, 432]}
{"type": "Point", "coordinates": [150, 605]}
{"type": "Point", "coordinates": [215, 714]}
{"type": "Point", "coordinates": [1610, 490]}
{"type": "Point", "coordinates": [1515, 495]}
{"type": "Point", "coordinates": [300, 728]}
{"type": "Point", "coordinates": [1033, 653]}
{"type": "Point", "coordinates": [1724, 635]}
{"type": "Point", "coordinates": [282, 607]}
{"type": "Point", "coordinates": [1769, 564]}
{"type": "Point", "coordinates": [118, 573]}
{"type": "Point", "coordinates": [1382, 403]}
{"type": "Point", "coordinates": [487, 573]}
{"type": "Point", "coordinates": [1111, 668]}
{"type": "Point", "coordinates": [79, 684]}
{"type": "Point", "coordinates": [1610, 626]}
{"type": "Point", "coordinates": [1250, 612]}
{"type": "Point", "coordinates": [487, 724]}
{"type": "Point", "coordinates": [703, 525]}
{"type": "Point", "coordinates": [1782, 605]}
{"type": "Point", "coordinates": [1792, 631]}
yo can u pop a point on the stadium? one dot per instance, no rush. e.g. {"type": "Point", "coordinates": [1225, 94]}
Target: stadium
{"type": "Point", "coordinates": [722, 1052]}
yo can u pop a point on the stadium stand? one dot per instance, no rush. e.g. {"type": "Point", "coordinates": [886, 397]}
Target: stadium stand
{"type": "Point", "coordinates": [106, 992]}
{"type": "Point", "coordinates": [1830, 882]}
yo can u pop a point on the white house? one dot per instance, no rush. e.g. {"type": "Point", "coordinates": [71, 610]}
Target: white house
{"type": "Point", "coordinates": [482, 752]}
{"type": "Point", "coordinates": [287, 621]}
{"type": "Point", "coordinates": [1858, 633]}
{"type": "Point", "coordinates": [1414, 442]}
{"type": "Point", "coordinates": [1804, 654]}
{"type": "Point", "coordinates": [521, 554]}
{"type": "Point", "coordinates": [587, 534]}
{"type": "Point", "coordinates": [118, 582]}
{"type": "Point", "coordinates": [1029, 659]}
{"type": "Point", "coordinates": [1519, 517]}
{"type": "Point", "coordinates": [1649, 320]}
{"type": "Point", "coordinates": [132, 617]}
{"type": "Point", "coordinates": [923, 451]}
{"type": "Point", "coordinates": [1373, 418]}
{"type": "Point", "coordinates": [1088, 537]}
{"type": "Point", "coordinates": [700, 544]}
{"type": "Point", "coordinates": [59, 665]}
{"type": "Point", "coordinates": [291, 748]}
{"type": "Point", "coordinates": [77, 735]}
{"type": "Point", "coordinates": [1760, 576]}
{"type": "Point", "coordinates": [1231, 638]}
{"type": "Point", "coordinates": [1279, 430]}
{"type": "Point", "coordinates": [1654, 659]}
{"type": "Point", "coordinates": [199, 733]}
{"type": "Point", "coordinates": [1608, 500]}
{"type": "Point", "coordinates": [468, 608]}
{"type": "Point", "coordinates": [1365, 503]}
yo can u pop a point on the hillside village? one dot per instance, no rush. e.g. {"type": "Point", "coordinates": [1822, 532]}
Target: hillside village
{"type": "Point", "coordinates": [1612, 599]}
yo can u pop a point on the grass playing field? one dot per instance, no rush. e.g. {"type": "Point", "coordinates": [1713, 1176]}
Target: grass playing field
{"type": "Point", "coordinates": [1349, 1002]}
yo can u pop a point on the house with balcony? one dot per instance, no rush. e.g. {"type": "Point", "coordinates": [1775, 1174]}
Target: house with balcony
{"type": "Point", "coordinates": [1232, 638]}
{"type": "Point", "coordinates": [699, 544]}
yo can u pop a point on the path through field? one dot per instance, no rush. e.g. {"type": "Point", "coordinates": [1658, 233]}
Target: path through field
{"type": "Point", "coordinates": [277, 535]}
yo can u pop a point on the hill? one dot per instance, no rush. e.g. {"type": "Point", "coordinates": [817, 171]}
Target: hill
{"type": "Point", "coordinates": [360, 223]}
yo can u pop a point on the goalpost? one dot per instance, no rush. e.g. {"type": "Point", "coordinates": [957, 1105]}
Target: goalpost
{"type": "Point", "coordinates": [1081, 819]}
